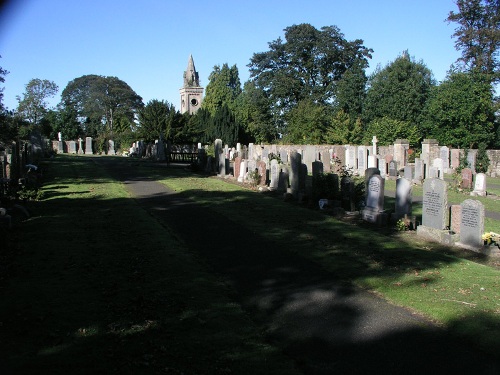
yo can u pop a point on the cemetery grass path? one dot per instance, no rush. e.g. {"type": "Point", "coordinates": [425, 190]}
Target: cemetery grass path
{"type": "Point", "coordinates": [320, 320]}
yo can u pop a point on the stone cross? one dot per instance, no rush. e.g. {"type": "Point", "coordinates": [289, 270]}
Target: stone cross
{"type": "Point", "coordinates": [374, 143]}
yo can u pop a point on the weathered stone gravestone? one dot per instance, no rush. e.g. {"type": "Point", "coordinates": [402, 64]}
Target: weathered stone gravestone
{"type": "Point", "coordinates": [309, 156]}
{"type": "Point", "coordinates": [72, 147]}
{"type": "Point", "coordinates": [243, 170]}
{"type": "Point", "coordinates": [88, 146]}
{"type": "Point", "coordinates": [60, 147]}
{"type": "Point", "coordinates": [393, 169]}
{"type": "Point", "coordinates": [408, 172]}
{"type": "Point", "coordinates": [325, 158]}
{"type": "Point", "coordinates": [351, 157]}
{"type": "Point", "coordinates": [236, 167]}
{"type": "Point", "coordinates": [347, 192]}
{"type": "Point", "coordinates": [361, 160]}
{"type": "Point", "coordinates": [419, 171]}
{"type": "Point", "coordinates": [479, 185]}
{"type": "Point", "coordinates": [466, 182]}
{"type": "Point", "coordinates": [444, 154]}
{"type": "Point", "coordinates": [438, 165]}
{"type": "Point", "coordinates": [472, 224]}
{"type": "Point", "coordinates": [471, 159]}
{"type": "Point", "coordinates": [435, 204]}
{"type": "Point", "coordinates": [111, 148]}
{"type": "Point", "coordinates": [295, 163]}
{"type": "Point", "coordinates": [435, 212]}
{"type": "Point", "coordinates": [317, 168]}
{"type": "Point", "coordinates": [80, 146]}
{"type": "Point", "coordinates": [374, 205]}
{"type": "Point", "coordinates": [382, 166]}
{"type": "Point", "coordinates": [261, 166]}
{"type": "Point", "coordinates": [455, 158]}
{"type": "Point", "coordinates": [403, 204]}
{"type": "Point", "coordinates": [275, 175]}
{"type": "Point", "coordinates": [456, 218]}
{"type": "Point", "coordinates": [283, 179]}
{"type": "Point", "coordinates": [218, 153]}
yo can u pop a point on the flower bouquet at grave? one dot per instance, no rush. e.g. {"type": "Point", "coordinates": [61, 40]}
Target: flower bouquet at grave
{"type": "Point", "coordinates": [491, 238]}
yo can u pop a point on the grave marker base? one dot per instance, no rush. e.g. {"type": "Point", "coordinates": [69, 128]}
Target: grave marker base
{"type": "Point", "coordinates": [443, 236]}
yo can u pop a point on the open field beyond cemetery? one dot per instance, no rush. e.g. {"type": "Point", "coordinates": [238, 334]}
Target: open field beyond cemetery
{"type": "Point", "coordinates": [97, 282]}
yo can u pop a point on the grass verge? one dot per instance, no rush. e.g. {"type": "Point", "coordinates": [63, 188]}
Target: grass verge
{"type": "Point", "coordinates": [91, 283]}
{"type": "Point", "coordinates": [457, 289]}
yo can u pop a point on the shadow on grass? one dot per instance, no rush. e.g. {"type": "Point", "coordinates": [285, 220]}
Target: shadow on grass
{"type": "Point", "coordinates": [111, 294]}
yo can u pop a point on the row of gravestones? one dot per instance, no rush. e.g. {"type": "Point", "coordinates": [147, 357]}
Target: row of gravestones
{"type": "Point", "coordinates": [71, 147]}
{"type": "Point", "coordinates": [466, 221]}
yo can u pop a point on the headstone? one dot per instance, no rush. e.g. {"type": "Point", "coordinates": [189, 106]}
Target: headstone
{"type": "Point", "coordinates": [252, 165]}
{"type": "Point", "coordinates": [435, 203]}
{"type": "Point", "coordinates": [243, 170]}
{"type": "Point", "coordinates": [403, 204]}
{"type": "Point", "coordinates": [438, 164]}
{"type": "Point", "coordinates": [471, 159]}
{"type": "Point", "coordinates": [466, 182]}
{"type": "Point", "coordinates": [351, 157]}
{"type": "Point", "coordinates": [419, 171]}
{"type": "Point", "coordinates": [472, 224]}
{"type": "Point", "coordinates": [309, 156]}
{"type": "Point", "coordinates": [455, 218]}
{"type": "Point", "coordinates": [237, 166]}
{"type": "Point", "coordinates": [218, 153]}
{"type": "Point", "coordinates": [283, 179]}
{"type": "Point", "coordinates": [295, 162]}
{"type": "Point", "coordinates": [251, 151]}
{"type": "Point", "coordinates": [284, 156]}
{"type": "Point", "coordinates": [401, 147]}
{"type": "Point", "coordinates": [374, 206]}
{"type": "Point", "coordinates": [444, 154]}
{"type": "Point", "coordinates": [88, 146]}
{"type": "Point", "coordinates": [408, 172]}
{"type": "Point", "coordinates": [382, 166]}
{"type": "Point", "coordinates": [480, 185]}
{"type": "Point", "coordinates": [393, 169]}
{"type": "Point", "coordinates": [80, 146]}
{"type": "Point", "coordinates": [273, 185]}
{"type": "Point", "coordinates": [60, 147]}
{"type": "Point", "coordinates": [261, 166]}
{"type": "Point", "coordinates": [455, 158]}
{"type": "Point", "coordinates": [361, 160]}
{"type": "Point", "coordinates": [368, 173]}
{"type": "Point", "coordinates": [348, 194]}
{"type": "Point", "coordinates": [72, 147]}
{"type": "Point", "coordinates": [59, 136]}
{"type": "Point", "coordinates": [111, 148]}
{"type": "Point", "coordinates": [317, 168]}
{"type": "Point", "coordinates": [325, 158]}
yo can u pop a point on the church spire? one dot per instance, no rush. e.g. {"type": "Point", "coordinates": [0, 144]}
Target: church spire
{"type": "Point", "coordinates": [191, 78]}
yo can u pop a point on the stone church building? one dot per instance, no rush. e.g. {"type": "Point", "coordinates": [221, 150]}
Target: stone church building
{"type": "Point", "coordinates": [191, 92]}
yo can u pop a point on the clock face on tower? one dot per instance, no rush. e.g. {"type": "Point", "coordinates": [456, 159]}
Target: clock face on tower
{"type": "Point", "coordinates": [194, 102]}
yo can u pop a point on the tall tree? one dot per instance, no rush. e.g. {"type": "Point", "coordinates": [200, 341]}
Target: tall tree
{"type": "Point", "coordinates": [3, 73]}
{"type": "Point", "coordinates": [101, 99]}
{"type": "Point", "coordinates": [478, 35]}
{"type": "Point", "coordinates": [307, 65]}
{"type": "Point", "coordinates": [399, 91]}
{"type": "Point", "coordinates": [33, 105]}
{"type": "Point", "coordinates": [307, 123]}
{"type": "Point", "coordinates": [253, 113]}
{"type": "Point", "coordinates": [155, 120]}
{"type": "Point", "coordinates": [223, 88]}
{"type": "Point", "coordinates": [460, 111]}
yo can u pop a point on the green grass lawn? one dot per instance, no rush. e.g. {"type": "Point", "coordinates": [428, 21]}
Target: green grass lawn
{"type": "Point", "coordinates": [457, 289]}
{"type": "Point", "coordinates": [92, 284]}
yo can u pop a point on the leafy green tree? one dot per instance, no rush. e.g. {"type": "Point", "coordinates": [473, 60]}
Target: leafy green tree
{"type": "Point", "coordinates": [33, 105]}
{"type": "Point", "coordinates": [253, 112]}
{"type": "Point", "coordinates": [342, 129]}
{"type": "Point", "coordinates": [98, 100]}
{"type": "Point", "coordinates": [3, 73]}
{"type": "Point", "coordinates": [155, 120]}
{"type": "Point", "coordinates": [307, 123]}
{"type": "Point", "coordinates": [223, 88]}
{"type": "Point", "coordinates": [459, 112]}
{"type": "Point", "coordinates": [388, 130]}
{"type": "Point", "coordinates": [307, 65]}
{"type": "Point", "coordinates": [478, 35]}
{"type": "Point", "coordinates": [350, 91]}
{"type": "Point", "coordinates": [399, 91]}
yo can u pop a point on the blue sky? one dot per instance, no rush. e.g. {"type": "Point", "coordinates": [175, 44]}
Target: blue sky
{"type": "Point", "coordinates": [147, 43]}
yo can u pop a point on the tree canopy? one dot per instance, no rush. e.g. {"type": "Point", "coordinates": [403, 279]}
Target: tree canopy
{"type": "Point", "coordinates": [307, 65]}
{"type": "Point", "coordinates": [478, 35]}
{"type": "Point", "coordinates": [99, 100]}
{"type": "Point", "coordinates": [33, 105]}
{"type": "Point", "coordinates": [460, 112]}
{"type": "Point", "coordinates": [223, 88]}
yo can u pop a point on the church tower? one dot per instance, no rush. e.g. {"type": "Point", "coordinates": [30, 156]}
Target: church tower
{"type": "Point", "coordinates": [191, 92]}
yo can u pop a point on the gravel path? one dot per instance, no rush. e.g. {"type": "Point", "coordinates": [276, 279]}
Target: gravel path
{"type": "Point", "coordinates": [326, 326]}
